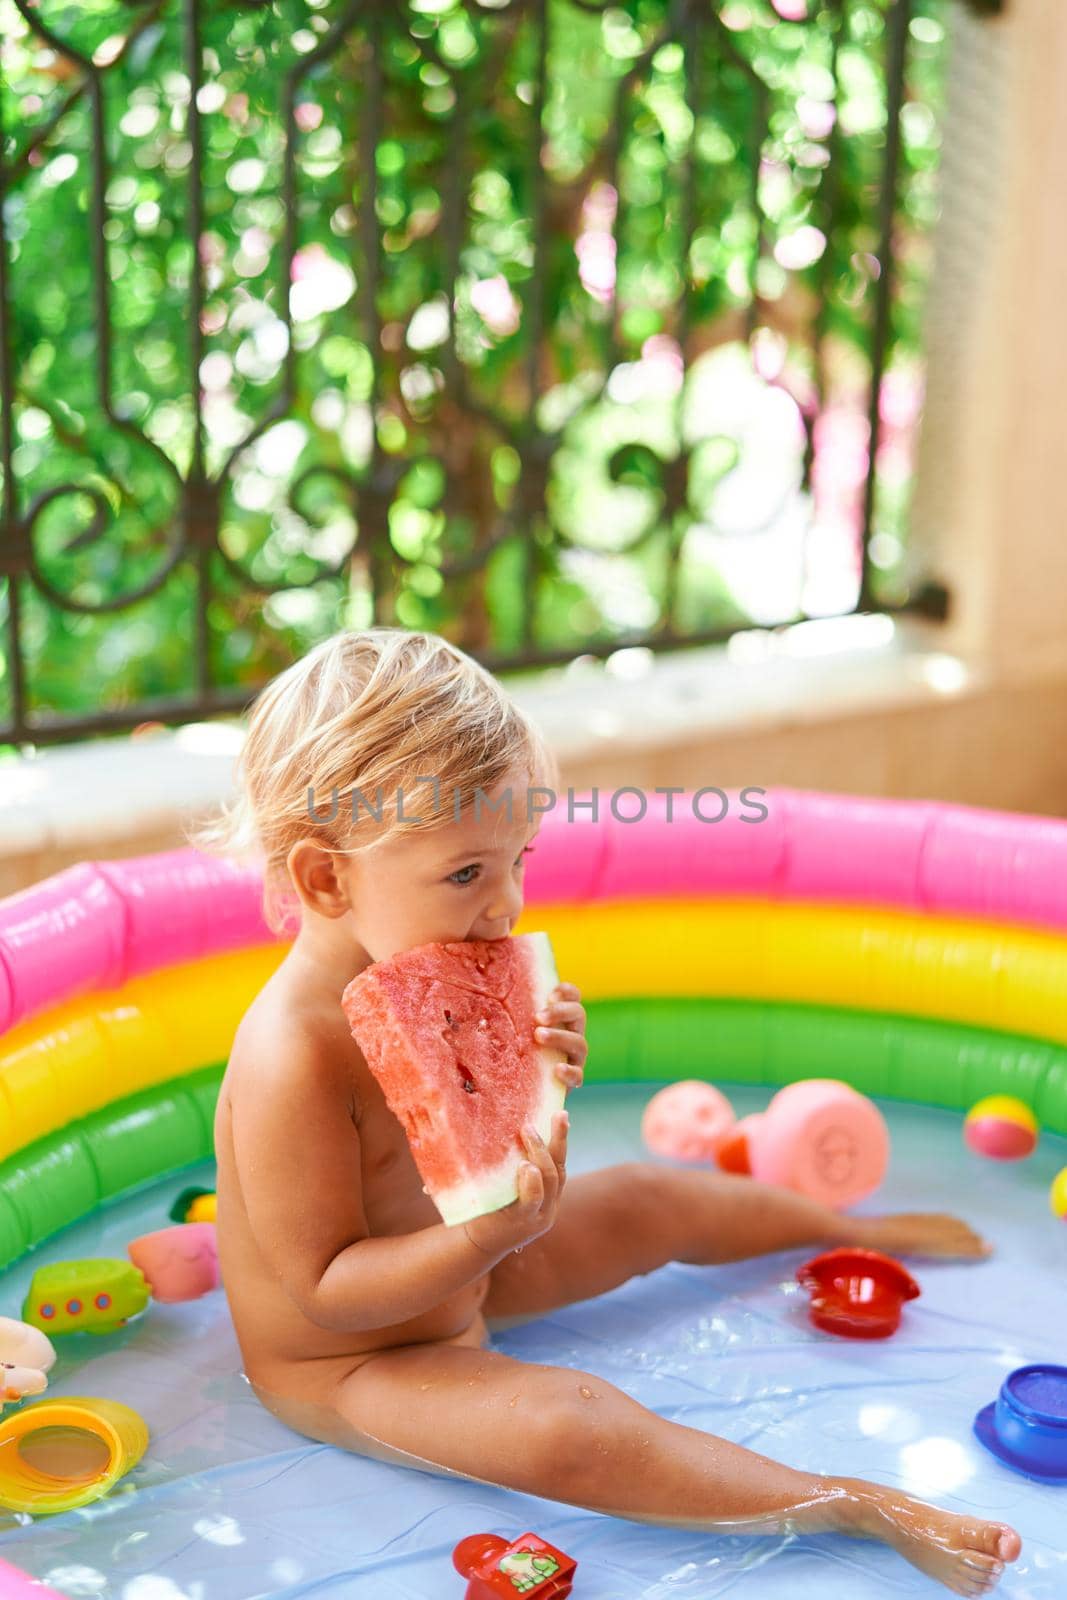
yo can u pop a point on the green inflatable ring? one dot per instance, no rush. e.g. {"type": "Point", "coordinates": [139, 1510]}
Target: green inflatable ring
{"type": "Point", "coordinates": [161, 1131]}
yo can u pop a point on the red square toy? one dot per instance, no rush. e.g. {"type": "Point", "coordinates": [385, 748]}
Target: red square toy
{"type": "Point", "coordinates": [501, 1571]}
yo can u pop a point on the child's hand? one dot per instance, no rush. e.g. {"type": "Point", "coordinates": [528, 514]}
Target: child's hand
{"type": "Point", "coordinates": [541, 1181]}
{"type": "Point", "coordinates": [563, 1028]}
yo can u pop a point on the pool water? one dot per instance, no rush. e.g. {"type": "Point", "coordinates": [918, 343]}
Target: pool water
{"type": "Point", "coordinates": [228, 1504]}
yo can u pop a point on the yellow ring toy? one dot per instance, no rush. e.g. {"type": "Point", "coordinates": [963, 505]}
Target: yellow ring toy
{"type": "Point", "coordinates": [24, 1487]}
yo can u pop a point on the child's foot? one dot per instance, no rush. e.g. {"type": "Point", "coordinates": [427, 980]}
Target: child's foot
{"type": "Point", "coordinates": [918, 1233]}
{"type": "Point", "coordinates": [966, 1554]}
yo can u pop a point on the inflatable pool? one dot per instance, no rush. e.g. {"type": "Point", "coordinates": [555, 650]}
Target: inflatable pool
{"type": "Point", "coordinates": [916, 950]}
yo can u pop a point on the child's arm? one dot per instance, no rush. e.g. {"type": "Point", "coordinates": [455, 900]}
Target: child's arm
{"type": "Point", "coordinates": [297, 1153]}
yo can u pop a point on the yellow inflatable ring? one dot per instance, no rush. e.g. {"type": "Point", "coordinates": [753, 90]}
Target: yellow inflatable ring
{"type": "Point", "coordinates": [860, 957]}
{"type": "Point", "coordinates": [24, 1487]}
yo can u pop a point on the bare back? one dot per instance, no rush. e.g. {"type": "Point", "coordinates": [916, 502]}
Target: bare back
{"type": "Point", "coordinates": [310, 1160]}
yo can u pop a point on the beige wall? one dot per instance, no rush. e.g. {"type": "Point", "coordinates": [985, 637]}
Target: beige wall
{"type": "Point", "coordinates": [1001, 747]}
{"type": "Point", "coordinates": [991, 505]}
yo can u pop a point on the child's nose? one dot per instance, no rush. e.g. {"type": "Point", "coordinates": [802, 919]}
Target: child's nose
{"type": "Point", "coordinates": [505, 908]}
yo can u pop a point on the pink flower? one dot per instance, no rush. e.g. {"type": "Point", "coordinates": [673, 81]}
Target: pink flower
{"type": "Point", "coordinates": [495, 303]}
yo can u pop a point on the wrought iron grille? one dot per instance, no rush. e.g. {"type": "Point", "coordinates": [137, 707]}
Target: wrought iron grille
{"type": "Point", "coordinates": [520, 320]}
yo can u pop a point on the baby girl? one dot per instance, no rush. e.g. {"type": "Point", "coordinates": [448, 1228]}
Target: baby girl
{"type": "Point", "coordinates": [362, 1319]}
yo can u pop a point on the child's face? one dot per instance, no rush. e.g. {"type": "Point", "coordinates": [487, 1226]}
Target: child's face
{"type": "Point", "coordinates": [443, 883]}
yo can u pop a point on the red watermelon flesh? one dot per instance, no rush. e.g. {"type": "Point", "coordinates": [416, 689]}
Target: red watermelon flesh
{"type": "Point", "coordinates": [448, 1032]}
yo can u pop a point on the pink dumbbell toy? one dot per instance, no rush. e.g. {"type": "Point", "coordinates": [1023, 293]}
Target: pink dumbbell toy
{"type": "Point", "coordinates": [820, 1137]}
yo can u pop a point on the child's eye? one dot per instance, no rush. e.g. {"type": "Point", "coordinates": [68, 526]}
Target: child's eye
{"type": "Point", "coordinates": [456, 877]}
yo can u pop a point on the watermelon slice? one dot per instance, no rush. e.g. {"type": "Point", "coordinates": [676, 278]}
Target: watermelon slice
{"type": "Point", "coordinates": [448, 1032]}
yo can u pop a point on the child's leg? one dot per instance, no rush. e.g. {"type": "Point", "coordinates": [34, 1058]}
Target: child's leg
{"type": "Point", "coordinates": [575, 1438]}
{"type": "Point", "coordinates": [622, 1221]}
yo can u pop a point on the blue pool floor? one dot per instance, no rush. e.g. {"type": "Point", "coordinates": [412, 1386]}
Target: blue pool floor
{"type": "Point", "coordinates": [228, 1504]}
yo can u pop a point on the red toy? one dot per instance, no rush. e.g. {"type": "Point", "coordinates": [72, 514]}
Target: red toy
{"type": "Point", "coordinates": [527, 1566]}
{"type": "Point", "coordinates": [857, 1293]}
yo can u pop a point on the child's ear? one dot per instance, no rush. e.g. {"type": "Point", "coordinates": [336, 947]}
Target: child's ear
{"type": "Point", "coordinates": [316, 880]}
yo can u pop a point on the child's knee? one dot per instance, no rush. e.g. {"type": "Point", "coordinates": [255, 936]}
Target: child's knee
{"type": "Point", "coordinates": [572, 1429]}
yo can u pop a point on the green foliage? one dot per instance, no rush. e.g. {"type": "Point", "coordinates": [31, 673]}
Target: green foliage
{"type": "Point", "coordinates": [417, 170]}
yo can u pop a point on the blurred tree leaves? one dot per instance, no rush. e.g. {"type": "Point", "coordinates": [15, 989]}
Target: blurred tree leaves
{"type": "Point", "coordinates": [401, 170]}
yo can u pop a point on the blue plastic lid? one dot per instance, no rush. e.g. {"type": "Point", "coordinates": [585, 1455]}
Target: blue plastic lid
{"type": "Point", "coordinates": [1039, 1392]}
{"type": "Point", "coordinates": [1030, 1466]}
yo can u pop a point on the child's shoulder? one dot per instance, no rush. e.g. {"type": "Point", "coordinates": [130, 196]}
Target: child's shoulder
{"type": "Point", "coordinates": [285, 1038]}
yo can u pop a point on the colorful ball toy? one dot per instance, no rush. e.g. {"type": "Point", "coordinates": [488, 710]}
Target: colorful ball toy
{"type": "Point", "coordinates": [1001, 1127]}
{"type": "Point", "coordinates": [1057, 1195]}
{"type": "Point", "coordinates": [687, 1121]}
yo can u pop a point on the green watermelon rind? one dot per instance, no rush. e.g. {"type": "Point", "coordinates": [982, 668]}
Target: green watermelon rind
{"type": "Point", "coordinates": [499, 1186]}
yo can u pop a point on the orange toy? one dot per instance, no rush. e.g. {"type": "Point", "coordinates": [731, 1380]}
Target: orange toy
{"type": "Point", "coordinates": [733, 1153]}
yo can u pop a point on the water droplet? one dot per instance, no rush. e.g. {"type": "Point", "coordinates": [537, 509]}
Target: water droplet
{"type": "Point", "coordinates": [586, 1394]}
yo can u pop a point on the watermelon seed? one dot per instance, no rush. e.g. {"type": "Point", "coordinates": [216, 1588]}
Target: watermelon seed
{"type": "Point", "coordinates": [468, 1078]}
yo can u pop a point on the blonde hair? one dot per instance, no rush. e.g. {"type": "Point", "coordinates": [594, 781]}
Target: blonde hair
{"type": "Point", "coordinates": [370, 710]}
